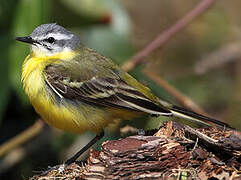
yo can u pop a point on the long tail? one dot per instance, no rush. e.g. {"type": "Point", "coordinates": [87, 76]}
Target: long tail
{"type": "Point", "coordinates": [195, 117]}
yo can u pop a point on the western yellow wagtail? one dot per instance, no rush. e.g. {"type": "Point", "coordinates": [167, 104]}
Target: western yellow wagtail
{"type": "Point", "coordinates": [76, 89]}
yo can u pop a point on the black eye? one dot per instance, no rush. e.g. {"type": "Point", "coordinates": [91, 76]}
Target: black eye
{"type": "Point", "coordinates": [51, 40]}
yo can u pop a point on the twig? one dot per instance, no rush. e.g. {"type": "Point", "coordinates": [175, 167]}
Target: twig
{"type": "Point", "coordinates": [230, 145]}
{"type": "Point", "coordinates": [27, 134]}
{"type": "Point", "coordinates": [167, 34]}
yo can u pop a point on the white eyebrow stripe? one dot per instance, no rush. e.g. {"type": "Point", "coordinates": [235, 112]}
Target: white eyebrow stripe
{"type": "Point", "coordinates": [59, 36]}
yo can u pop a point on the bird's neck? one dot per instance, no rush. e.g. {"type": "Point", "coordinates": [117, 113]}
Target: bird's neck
{"type": "Point", "coordinates": [39, 54]}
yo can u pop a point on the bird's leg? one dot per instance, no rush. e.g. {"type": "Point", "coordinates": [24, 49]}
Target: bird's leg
{"type": "Point", "coordinates": [85, 148]}
{"type": "Point", "coordinates": [61, 167]}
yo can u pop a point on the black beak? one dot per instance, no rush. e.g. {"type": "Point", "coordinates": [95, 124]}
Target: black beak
{"type": "Point", "coordinates": [26, 39]}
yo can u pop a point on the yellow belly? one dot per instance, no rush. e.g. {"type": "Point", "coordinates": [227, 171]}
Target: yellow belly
{"type": "Point", "coordinates": [76, 118]}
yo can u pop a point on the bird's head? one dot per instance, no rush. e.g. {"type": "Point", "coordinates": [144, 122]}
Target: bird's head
{"type": "Point", "coordinates": [50, 39]}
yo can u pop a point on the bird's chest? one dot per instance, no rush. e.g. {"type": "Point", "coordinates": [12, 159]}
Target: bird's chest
{"type": "Point", "coordinates": [34, 85]}
{"type": "Point", "coordinates": [33, 78]}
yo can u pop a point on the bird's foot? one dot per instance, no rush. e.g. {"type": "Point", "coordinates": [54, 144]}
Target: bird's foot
{"type": "Point", "coordinates": [58, 168]}
{"type": "Point", "coordinates": [141, 132]}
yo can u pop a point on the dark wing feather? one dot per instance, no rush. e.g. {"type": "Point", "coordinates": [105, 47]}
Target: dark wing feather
{"type": "Point", "coordinates": [111, 92]}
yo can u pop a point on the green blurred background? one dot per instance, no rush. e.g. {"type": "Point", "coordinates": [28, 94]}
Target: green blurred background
{"type": "Point", "coordinates": [202, 61]}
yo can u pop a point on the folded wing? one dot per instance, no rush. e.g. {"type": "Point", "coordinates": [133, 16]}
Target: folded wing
{"type": "Point", "coordinates": [109, 92]}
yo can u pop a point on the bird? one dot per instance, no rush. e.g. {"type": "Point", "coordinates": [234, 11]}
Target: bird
{"type": "Point", "coordinates": [76, 89]}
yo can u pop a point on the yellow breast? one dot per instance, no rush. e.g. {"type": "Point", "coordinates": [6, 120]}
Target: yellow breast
{"type": "Point", "coordinates": [63, 116]}
{"type": "Point", "coordinates": [33, 69]}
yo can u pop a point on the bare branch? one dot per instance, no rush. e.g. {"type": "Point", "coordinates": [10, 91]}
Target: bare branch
{"type": "Point", "coordinates": [167, 34]}
{"type": "Point", "coordinates": [21, 138]}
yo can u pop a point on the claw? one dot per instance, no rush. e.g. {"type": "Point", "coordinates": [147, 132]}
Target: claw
{"type": "Point", "coordinates": [59, 168]}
